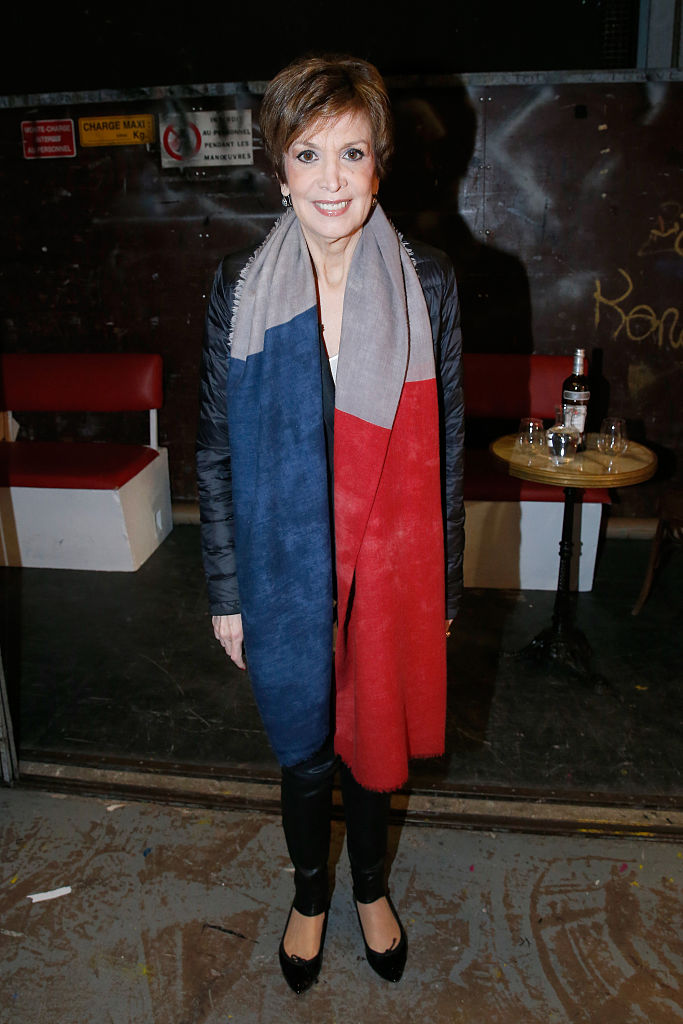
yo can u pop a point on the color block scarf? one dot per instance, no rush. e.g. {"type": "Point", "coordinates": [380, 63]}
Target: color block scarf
{"type": "Point", "coordinates": [390, 666]}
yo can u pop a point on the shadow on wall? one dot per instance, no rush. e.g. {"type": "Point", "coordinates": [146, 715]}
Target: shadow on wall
{"type": "Point", "coordinates": [435, 141]}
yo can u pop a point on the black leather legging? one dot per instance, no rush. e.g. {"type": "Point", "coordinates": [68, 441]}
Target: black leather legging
{"type": "Point", "coordinates": [306, 815]}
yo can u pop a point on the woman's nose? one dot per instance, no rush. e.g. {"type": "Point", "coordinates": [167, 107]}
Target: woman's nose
{"type": "Point", "coordinates": [332, 177]}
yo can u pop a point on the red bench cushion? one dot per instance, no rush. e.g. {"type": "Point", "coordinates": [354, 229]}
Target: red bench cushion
{"type": "Point", "coordinates": [487, 480]}
{"type": "Point", "coordinates": [71, 464]}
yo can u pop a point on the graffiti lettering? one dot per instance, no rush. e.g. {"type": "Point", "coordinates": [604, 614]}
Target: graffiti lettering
{"type": "Point", "coordinates": [640, 322]}
{"type": "Point", "coordinates": [668, 235]}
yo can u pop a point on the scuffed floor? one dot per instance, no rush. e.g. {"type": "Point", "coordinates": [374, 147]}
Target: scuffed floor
{"type": "Point", "coordinates": [175, 914]}
{"type": "Point", "coordinates": [97, 675]}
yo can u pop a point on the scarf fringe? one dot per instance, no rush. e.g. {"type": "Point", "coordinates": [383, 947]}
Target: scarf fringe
{"type": "Point", "coordinates": [397, 785]}
{"type": "Point", "coordinates": [244, 273]}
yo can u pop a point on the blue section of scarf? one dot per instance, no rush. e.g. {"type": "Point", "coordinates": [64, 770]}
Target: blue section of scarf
{"type": "Point", "coordinates": [282, 533]}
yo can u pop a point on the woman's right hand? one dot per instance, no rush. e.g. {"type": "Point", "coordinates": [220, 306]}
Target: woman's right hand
{"type": "Point", "coordinates": [228, 631]}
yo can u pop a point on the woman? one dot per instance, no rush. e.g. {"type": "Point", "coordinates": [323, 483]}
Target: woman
{"type": "Point", "coordinates": [329, 460]}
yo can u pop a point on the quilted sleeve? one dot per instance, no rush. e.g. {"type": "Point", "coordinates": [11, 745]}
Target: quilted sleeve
{"type": "Point", "coordinates": [214, 476]}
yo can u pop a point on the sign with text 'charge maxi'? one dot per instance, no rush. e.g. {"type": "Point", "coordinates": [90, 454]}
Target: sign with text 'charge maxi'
{"type": "Point", "coordinates": [206, 138]}
{"type": "Point", "coordinates": [119, 130]}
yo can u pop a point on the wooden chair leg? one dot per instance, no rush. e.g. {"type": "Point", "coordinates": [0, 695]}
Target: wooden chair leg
{"type": "Point", "coordinates": [655, 551]}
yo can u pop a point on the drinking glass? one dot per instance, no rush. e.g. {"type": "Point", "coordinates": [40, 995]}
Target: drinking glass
{"type": "Point", "coordinates": [562, 443]}
{"type": "Point", "coordinates": [612, 437]}
{"type": "Point", "coordinates": [531, 436]}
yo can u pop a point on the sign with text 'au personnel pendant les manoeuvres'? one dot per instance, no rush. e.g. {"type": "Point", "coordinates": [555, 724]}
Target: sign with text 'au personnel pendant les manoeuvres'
{"type": "Point", "coordinates": [206, 138]}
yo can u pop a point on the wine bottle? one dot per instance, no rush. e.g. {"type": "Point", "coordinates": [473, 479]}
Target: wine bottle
{"type": "Point", "coordinates": [575, 397]}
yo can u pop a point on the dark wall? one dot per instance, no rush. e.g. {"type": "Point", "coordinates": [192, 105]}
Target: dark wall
{"type": "Point", "coordinates": [70, 46]}
{"type": "Point", "coordinates": [559, 202]}
{"type": "Point", "coordinates": [564, 221]}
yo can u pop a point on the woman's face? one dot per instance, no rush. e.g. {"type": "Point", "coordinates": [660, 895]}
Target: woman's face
{"type": "Point", "coordinates": [330, 175]}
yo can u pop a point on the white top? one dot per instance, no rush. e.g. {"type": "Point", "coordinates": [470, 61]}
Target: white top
{"type": "Point", "coordinates": [333, 367]}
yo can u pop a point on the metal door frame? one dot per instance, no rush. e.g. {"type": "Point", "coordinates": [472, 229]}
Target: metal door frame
{"type": "Point", "coordinates": [9, 767]}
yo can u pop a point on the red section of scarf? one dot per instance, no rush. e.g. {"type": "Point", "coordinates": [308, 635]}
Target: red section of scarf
{"type": "Point", "coordinates": [391, 645]}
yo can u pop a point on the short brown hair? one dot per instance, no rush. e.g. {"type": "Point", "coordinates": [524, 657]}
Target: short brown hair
{"type": "Point", "coordinates": [315, 89]}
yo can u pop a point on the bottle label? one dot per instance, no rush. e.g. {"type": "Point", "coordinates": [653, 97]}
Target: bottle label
{"type": "Point", "coordinates": [575, 416]}
{"type": "Point", "coordinates": [576, 396]}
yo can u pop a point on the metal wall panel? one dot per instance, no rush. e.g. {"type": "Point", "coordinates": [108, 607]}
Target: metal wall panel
{"type": "Point", "coordinates": [559, 199]}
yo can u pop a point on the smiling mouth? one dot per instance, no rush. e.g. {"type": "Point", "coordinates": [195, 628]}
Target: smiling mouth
{"type": "Point", "coordinates": [332, 208]}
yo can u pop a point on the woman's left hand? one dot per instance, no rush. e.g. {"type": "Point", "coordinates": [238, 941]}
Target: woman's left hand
{"type": "Point", "coordinates": [228, 631]}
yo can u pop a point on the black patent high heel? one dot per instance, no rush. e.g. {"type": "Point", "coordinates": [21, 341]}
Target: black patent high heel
{"type": "Point", "coordinates": [388, 965]}
{"type": "Point", "coordinates": [299, 973]}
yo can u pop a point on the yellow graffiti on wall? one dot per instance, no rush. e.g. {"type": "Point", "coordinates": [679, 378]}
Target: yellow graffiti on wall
{"type": "Point", "coordinates": [641, 321]}
{"type": "Point", "coordinates": [668, 235]}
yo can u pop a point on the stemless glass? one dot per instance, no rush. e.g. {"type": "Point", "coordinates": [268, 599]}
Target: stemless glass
{"type": "Point", "coordinates": [612, 438]}
{"type": "Point", "coordinates": [562, 443]}
{"type": "Point", "coordinates": [531, 436]}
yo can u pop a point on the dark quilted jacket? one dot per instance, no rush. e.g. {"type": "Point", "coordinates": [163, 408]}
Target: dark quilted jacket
{"type": "Point", "coordinates": [213, 447]}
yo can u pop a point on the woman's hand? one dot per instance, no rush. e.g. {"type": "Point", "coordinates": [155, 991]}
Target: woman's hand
{"type": "Point", "coordinates": [228, 631]}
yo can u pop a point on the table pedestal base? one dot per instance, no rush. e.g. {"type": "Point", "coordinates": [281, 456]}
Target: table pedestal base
{"type": "Point", "coordinates": [568, 650]}
{"type": "Point", "coordinates": [562, 645]}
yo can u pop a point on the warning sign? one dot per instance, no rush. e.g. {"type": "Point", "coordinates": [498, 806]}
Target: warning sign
{"type": "Point", "coordinates": [131, 130]}
{"type": "Point", "coordinates": [51, 138]}
{"type": "Point", "coordinates": [207, 137]}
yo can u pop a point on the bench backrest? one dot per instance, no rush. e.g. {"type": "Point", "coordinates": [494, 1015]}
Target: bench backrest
{"type": "Point", "coordinates": [510, 385]}
{"type": "Point", "coordinates": [80, 382]}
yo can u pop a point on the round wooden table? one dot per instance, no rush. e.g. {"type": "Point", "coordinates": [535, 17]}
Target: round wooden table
{"type": "Point", "coordinates": [587, 469]}
{"type": "Point", "coordinates": [562, 642]}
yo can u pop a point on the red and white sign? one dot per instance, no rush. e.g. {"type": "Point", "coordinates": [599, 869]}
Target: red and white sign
{"type": "Point", "coordinates": [182, 141]}
{"type": "Point", "coordinates": [52, 138]}
{"type": "Point", "coordinates": [206, 137]}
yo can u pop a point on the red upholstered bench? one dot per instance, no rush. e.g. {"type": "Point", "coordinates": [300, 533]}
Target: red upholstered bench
{"type": "Point", "coordinates": [513, 526]}
{"type": "Point", "coordinates": [79, 504]}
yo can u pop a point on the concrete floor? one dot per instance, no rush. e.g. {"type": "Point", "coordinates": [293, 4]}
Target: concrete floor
{"type": "Point", "coordinates": [174, 916]}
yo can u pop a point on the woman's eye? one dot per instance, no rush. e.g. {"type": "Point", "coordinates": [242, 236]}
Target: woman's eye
{"type": "Point", "coordinates": [306, 156]}
{"type": "Point", "coordinates": [354, 154]}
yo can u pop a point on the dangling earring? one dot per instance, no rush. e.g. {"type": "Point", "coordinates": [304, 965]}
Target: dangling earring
{"type": "Point", "coordinates": [287, 202]}
{"type": "Point", "coordinates": [374, 201]}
